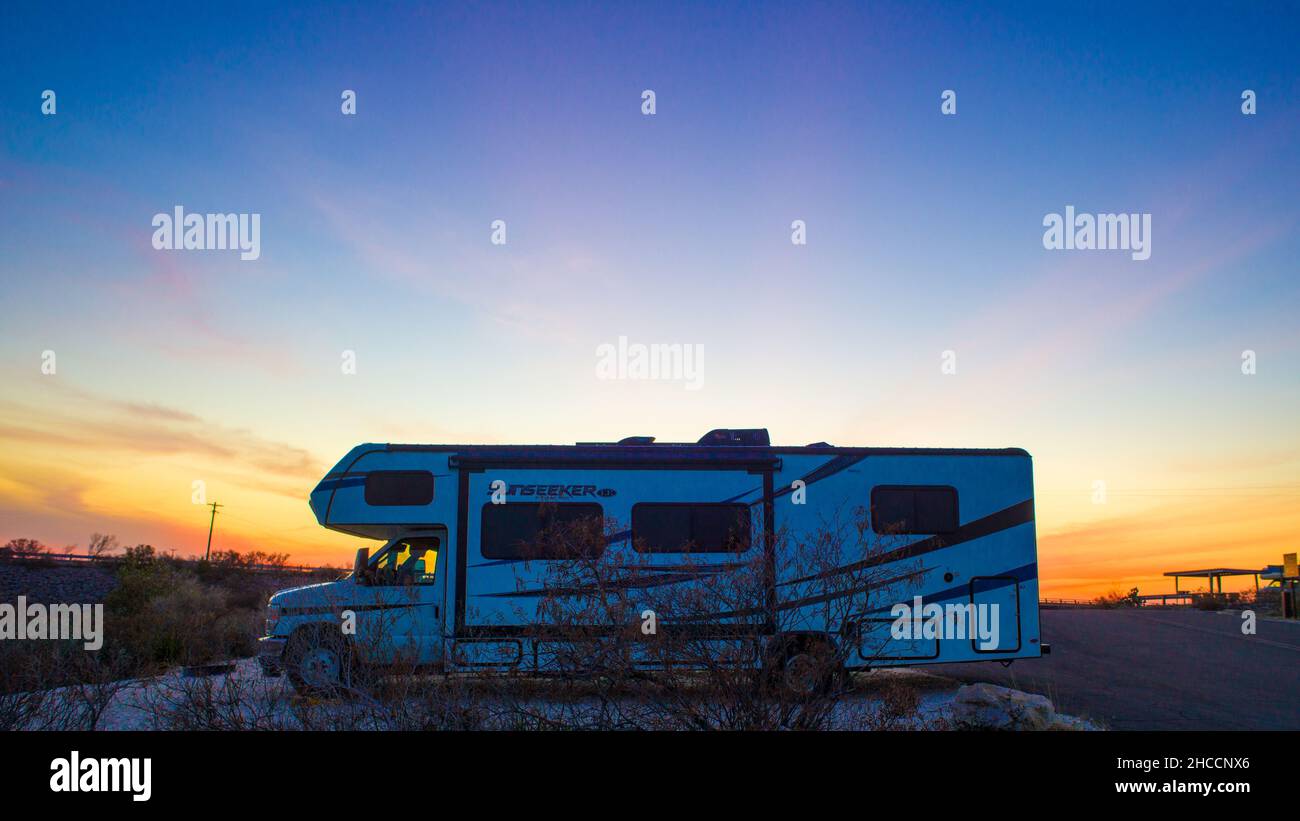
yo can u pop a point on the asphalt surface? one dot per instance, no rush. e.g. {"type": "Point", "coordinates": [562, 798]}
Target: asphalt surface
{"type": "Point", "coordinates": [1159, 669]}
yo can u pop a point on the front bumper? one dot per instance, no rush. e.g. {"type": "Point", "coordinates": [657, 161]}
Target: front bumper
{"type": "Point", "coordinates": [270, 649]}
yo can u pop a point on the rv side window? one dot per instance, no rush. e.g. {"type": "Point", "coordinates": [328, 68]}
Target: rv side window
{"type": "Point", "coordinates": [399, 487]}
{"type": "Point", "coordinates": [690, 528]}
{"type": "Point", "coordinates": [914, 509]}
{"type": "Point", "coordinates": [547, 530]}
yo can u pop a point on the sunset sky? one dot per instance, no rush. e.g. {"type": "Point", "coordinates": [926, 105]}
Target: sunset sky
{"type": "Point", "coordinates": [924, 235]}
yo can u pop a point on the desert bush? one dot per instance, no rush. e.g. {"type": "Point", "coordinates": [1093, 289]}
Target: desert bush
{"type": "Point", "coordinates": [899, 708]}
{"type": "Point", "coordinates": [56, 685]}
{"type": "Point", "coordinates": [713, 661]}
{"type": "Point", "coordinates": [22, 548]}
{"type": "Point", "coordinates": [1115, 599]}
{"type": "Point", "coordinates": [101, 544]}
{"type": "Point", "coordinates": [715, 658]}
{"type": "Point", "coordinates": [598, 668]}
{"type": "Point", "coordinates": [160, 614]}
{"type": "Point", "coordinates": [219, 702]}
{"type": "Point", "coordinates": [407, 699]}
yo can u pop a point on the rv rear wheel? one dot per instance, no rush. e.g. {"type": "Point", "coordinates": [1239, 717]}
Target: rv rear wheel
{"type": "Point", "coordinates": [807, 668]}
{"type": "Point", "coordinates": [318, 662]}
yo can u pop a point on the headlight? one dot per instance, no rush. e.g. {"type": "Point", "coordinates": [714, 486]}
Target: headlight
{"type": "Point", "coordinates": [272, 618]}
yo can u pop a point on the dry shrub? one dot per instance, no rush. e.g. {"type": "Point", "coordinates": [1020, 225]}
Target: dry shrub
{"type": "Point", "coordinates": [715, 659]}
{"type": "Point", "coordinates": [160, 615]}
{"type": "Point", "coordinates": [56, 685]}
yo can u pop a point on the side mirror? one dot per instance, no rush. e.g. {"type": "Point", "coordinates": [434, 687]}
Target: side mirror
{"type": "Point", "coordinates": [360, 564]}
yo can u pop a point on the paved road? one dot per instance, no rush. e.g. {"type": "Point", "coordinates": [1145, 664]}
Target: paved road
{"type": "Point", "coordinates": [1158, 669]}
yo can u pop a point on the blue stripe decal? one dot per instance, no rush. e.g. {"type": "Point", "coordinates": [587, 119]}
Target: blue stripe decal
{"type": "Point", "coordinates": [335, 484]}
{"type": "Point", "coordinates": [740, 496]}
{"type": "Point", "coordinates": [1021, 574]}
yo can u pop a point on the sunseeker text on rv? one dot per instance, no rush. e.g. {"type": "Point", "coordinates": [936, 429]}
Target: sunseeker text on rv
{"type": "Point", "coordinates": [557, 491]}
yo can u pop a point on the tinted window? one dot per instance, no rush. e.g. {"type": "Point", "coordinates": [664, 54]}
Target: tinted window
{"type": "Point", "coordinates": [512, 530]}
{"type": "Point", "coordinates": [662, 528]}
{"type": "Point", "coordinates": [690, 528]}
{"type": "Point", "coordinates": [399, 487]}
{"type": "Point", "coordinates": [915, 509]}
{"type": "Point", "coordinates": [413, 561]}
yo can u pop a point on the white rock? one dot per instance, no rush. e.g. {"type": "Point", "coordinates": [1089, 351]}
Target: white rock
{"type": "Point", "coordinates": [1072, 723]}
{"type": "Point", "coordinates": [987, 706]}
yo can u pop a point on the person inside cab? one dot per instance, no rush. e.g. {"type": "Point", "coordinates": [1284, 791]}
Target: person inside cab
{"type": "Point", "coordinates": [411, 561]}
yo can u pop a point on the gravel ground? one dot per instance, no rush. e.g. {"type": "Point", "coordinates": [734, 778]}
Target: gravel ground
{"type": "Point", "coordinates": [138, 705]}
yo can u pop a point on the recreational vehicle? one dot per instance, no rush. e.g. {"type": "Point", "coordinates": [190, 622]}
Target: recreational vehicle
{"type": "Point", "coordinates": [456, 587]}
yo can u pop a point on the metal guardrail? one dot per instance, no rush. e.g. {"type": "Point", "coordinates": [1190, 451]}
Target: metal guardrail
{"type": "Point", "coordinates": [1182, 599]}
{"type": "Point", "coordinates": [84, 560]}
{"type": "Point", "coordinates": [1186, 598]}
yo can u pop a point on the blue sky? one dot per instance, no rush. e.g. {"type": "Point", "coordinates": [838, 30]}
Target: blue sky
{"type": "Point", "coordinates": [924, 235]}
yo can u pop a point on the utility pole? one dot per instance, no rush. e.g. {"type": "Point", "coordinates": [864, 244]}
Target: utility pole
{"type": "Point", "coordinates": [211, 521]}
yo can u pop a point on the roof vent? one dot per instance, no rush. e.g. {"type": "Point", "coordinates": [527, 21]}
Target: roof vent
{"type": "Point", "coordinates": [736, 436]}
{"type": "Point", "coordinates": [637, 440]}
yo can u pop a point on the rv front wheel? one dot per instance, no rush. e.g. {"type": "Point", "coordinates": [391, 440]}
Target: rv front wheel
{"type": "Point", "coordinates": [317, 662]}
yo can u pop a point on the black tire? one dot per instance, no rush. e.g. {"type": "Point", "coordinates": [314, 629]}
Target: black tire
{"type": "Point", "coordinates": [319, 662]}
{"type": "Point", "coordinates": [805, 667]}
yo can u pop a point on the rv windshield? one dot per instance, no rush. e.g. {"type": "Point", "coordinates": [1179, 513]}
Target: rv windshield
{"type": "Point", "coordinates": [409, 561]}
